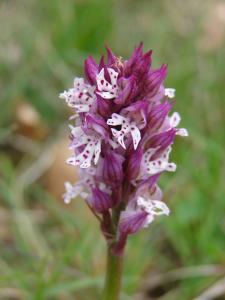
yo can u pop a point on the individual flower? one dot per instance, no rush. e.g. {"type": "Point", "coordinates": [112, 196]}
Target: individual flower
{"type": "Point", "coordinates": [80, 97]}
{"type": "Point", "coordinates": [126, 127]}
{"type": "Point", "coordinates": [141, 214]}
{"type": "Point", "coordinates": [151, 166]}
{"type": "Point", "coordinates": [90, 151]}
{"type": "Point", "coordinates": [107, 89]}
{"type": "Point", "coordinates": [79, 188]}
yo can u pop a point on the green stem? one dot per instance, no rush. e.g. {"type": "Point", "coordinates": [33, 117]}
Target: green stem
{"type": "Point", "coordinates": [113, 277]}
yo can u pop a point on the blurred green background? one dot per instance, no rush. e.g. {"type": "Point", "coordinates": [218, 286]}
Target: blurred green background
{"type": "Point", "coordinates": [52, 251]}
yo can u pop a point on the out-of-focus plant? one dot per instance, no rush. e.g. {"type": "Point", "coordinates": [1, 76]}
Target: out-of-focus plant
{"type": "Point", "coordinates": [121, 139]}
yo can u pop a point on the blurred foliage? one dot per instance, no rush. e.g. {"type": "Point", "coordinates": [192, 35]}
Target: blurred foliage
{"type": "Point", "coordinates": [49, 251]}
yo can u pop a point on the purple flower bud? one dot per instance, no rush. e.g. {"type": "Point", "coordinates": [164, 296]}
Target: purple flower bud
{"type": "Point", "coordinates": [110, 169]}
{"type": "Point", "coordinates": [143, 66]}
{"type": "Point", "coordinates": [100, 201]}
{"type": "Point", "coordinates": [130, 64]}
{"type": "Point", "coordinates": [146, 185]}
{"type": "Point", "coordinates": [134, 163]}
{"type": "Point", "coordinates": [91, 69]}
{"type": "Point", "coordinates": [128, 89]}
{"type": "Point", "coordinates": [161, 141]}
{"type": "Point", "coordinates": [131, 222]}
{"type": "Point", "coordinates": [101, 64]}
{"type": "Point", "coordinates": [96, 123]}
{"type": "Point", "coordinates": [157, 115]}
{"type": "Point", "coordinates": [104, 107]}
{"type": "Point", "coordinates": [155, 79]}
{"type": "Point", "coordinates": [112, 59]}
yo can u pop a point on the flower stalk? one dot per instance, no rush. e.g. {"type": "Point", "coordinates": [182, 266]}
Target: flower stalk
{"type": "Point", "coordinates": [113, 277]}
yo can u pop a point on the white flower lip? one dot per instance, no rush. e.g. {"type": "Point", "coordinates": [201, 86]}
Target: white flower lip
{"type": "Point", "coordinates": [175, 121]}
{"type": "Point", "coordinates": [126, 128]}
{"type": "Point", "coordinates": [91, 151]}
{"type": "Point", "coordinates": [80, 97]}
{"type": "Point", "coordinates": [158, 165]}
{"type": "Point", "coordinates": [105, 89]}
{"type": "Point", "coordinates": [72, 191]}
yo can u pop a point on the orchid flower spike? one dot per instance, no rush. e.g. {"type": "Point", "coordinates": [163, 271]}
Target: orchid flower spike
{"type": "Point", "coordinates": [121, 139]}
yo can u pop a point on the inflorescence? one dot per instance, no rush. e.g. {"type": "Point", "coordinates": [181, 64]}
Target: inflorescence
{"type": "Point", "coordinates": [121, 139]}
